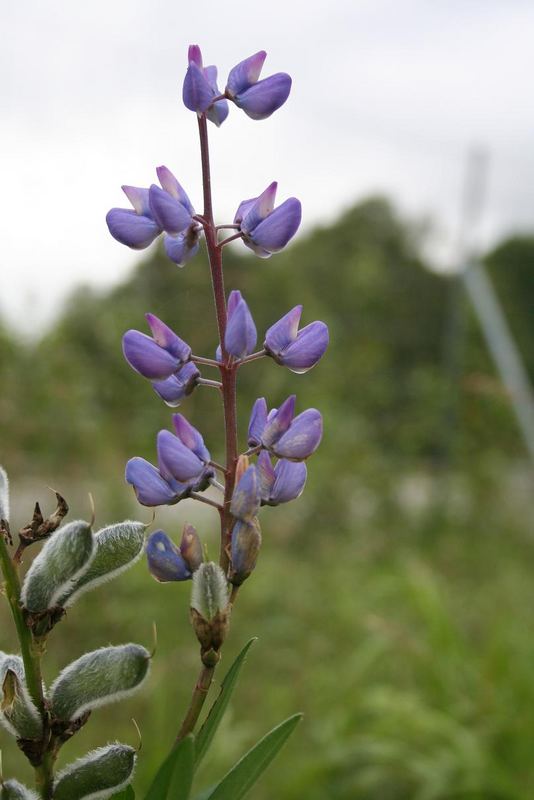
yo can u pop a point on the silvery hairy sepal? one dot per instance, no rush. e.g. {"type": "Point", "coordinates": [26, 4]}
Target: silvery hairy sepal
{"type": "Point", "coordinates": [98, 775]}
{"type": "Point", "coordinates": [58, 567]}
{"type": "Point", "coordinates": [18, 713]}
{"type": "Point", "coordinates": [117, 548]}
{"type": "Point", "coordinates": [97, 679]}
{"type": "Point", "coordinates": [13, 790]}
{"type": "Point", "coordinates": [299, 350]}
{"type": "Point", "coordinates": [4, 495]}
{"type": "Point", "coordinates": [210, 610]}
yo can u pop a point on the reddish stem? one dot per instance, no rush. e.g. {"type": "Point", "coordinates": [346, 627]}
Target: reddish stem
{"type": "Point", "coordinates": [227, 369]}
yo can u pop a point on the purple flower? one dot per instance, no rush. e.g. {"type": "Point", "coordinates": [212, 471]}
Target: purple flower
{"type": "Point", "coordinates": [150, 487]}
{"type": "Point", "coordinates": [244, 549]}
{"type": "Point", "coordinates": [200, 89]}
{"type": "Point", "coordinates": [246, 496]}
{"type": "Point", "coordinates": [156, 210]}
{"type": "Point", "coordinates": [172, 390]}
{"type": "Point", "coordinates": [266, 229]}
{"type": "Point", "coordinates": [138, 228]}
{"type": "Point", "coordinates": [283, 483]}
{"type": "Point", "coordinates": [156, 357]}
{"type": "Point", "coordinates": [165, 561]}
{"type": "Point", "coordinates": [241, 336]}
{"type": "Point", "coordinates": [182, 467]}
{"type": "Point", "coordinates": [298, 350]}
{"type": "Point", "coordinates": [258, 99]}
{"type": "Point", "coordinates": [283, 434]}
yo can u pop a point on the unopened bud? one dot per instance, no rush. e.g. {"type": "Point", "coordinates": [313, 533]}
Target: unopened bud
{"type": "Point", "coordinates": [102, 773]}
{"type": "Point", "coordinates": [243, 463]}
{"type": "Point", "coordinates": [18, 714]}
{"type": "Point", "coordinates": [210, 610]}
{"type": "Point", "coordinates": [191, 547]}
{"type": "Point", "coordinates": [244, 550]}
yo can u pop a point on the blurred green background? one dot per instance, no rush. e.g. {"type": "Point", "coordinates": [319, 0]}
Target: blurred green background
{"type": "Point", "coordinates": [394, 601]}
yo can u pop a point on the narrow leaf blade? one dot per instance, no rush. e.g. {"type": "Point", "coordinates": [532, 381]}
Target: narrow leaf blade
{"type": "Point", "coordinates": [126, 794]}
{"type": "Point", "coordinates": [184, 767]}
{"type": "Point", "coordinates": [246, 772]}
{"type": "Point", "coordinates": [159, 788]}
{"type": "Point", "coordinates": [213, 720]}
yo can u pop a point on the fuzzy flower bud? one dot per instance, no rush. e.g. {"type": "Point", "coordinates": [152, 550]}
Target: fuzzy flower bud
{"type": "Point", "coordinates": [266, 229]}
{"type": "Point", "coordinates": [244, 550]}
{"type": "Point", "coordinates": [210, 610]}
{"type": "Point", "coordinates": [246, 496]}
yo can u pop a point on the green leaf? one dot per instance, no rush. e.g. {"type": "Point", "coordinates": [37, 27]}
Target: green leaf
{"type": "Point", "coordinates": [126, 794]}
{"type": "Point", "coordinates": [184, 768]}
{"type": "Point", "coordinates": [168, 778]}
{"type": "Point", "coordinates": [246, 772]}
{"type": "Point", "coordinates": [213, 720]}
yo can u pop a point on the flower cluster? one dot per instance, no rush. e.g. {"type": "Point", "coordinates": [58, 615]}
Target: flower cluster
{"type": "Point", "coordinates": [271, 469]}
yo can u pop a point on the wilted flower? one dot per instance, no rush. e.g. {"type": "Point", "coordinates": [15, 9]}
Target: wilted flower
{"type": "Point", "coordinates": [298, 350]}
{"type": "Point", "coordinates": [200, 88]}
{"type": "Point", "coordinates": [286, 436]}
{"type": "Point", "coordinates": [241, 336]}
{"type": "Point", "coordinates": [156, 210]}
{"type": "Point", "coordinates": [258, 99]}
{"type": "Point", "coordinates": [282, 483]}
{"type": "Point", "coordinates": [267, 229]}
{"type": "Point", "coordinates": [156, 357]}
{"type": "Point", "coordinates": [165, 561]}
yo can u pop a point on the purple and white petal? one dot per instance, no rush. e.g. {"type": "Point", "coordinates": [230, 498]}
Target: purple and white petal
{"type": "Point", "coordinates": [167, 338]}
{"type": "Point", "coordinates": [165, 562]}
{"type": "Point", "coordinates": [274, 232]}
{"type": "Point", "coordinates": [278, 422]}
{"type": "Point", "coordinates": [308, 348]}
{"type": "Point", "coordinates": [181, 248]}
{"type": "Point", "coordinates": [289, 481]}
{"type": "Point", "coordinates": [168, 212]}
{"type": "Point", "coordinates": [244, 74]}
{"type": "Point", "coordinates": [150, 487]}
{"type": "Point", "coordinates": [266, 475]}
{"type": "Point", "coordinates": [264, 97]}
{"type": "Point", "coordinates": [177, 459]}
{"type": "Point", "coordinates": [283, 332]}
{"type": "Point", "coordinates": [260, 209]}
{"type": "Point", "coordinates": [190, 437]}
{"type": "Point", "coordinates": [173, 390]}
{"type": "Point", "coordinates": [302, 438]}
{"type": "Point", "coordinates": [130, 229]}
{"type": "Point", "coordinates": [241, 335]}
{"type": "Point", "coordinates": [258, 421]}
{"type": "Point", "coordinates": [172, 187]}
{"type": "Point", "coordinates": [139, 199]}
{"type": "Point", "coordinates": [146, 357]}
{"type": "Point", "coordinates": [197, 94]}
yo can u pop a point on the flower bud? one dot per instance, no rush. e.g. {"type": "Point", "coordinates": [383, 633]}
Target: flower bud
{"type": "Point", "coordinates": [191, 547]}
{"type": "Point", "coordinates": [241, 336]}
{"type": "Point", "coordinates": [210, 610]}
{"type": "Point", "coordinates": [245, 547]}
{"type": "Point", "coordinates": [4, 495]}
{"type": "Point", "coordinates": [100, 774]}
{"type": "Point", "coordinates": [117, 548]}
{"type": "Point", "coordinates": [96, 679]}
{"type": "Point", "coordinates": [18, 713]}
{"type": "Point", "coordinates": [246, 496]}
{"type": "Point", "coordinates": [65, 557]}
{"type": "Point", "coordinates": [13, 790]}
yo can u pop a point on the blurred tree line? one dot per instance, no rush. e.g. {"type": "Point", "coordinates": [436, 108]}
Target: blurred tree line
{"type": "Point", "coordinates": [391, 399]}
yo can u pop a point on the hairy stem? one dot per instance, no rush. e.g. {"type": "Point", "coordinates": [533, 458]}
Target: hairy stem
{"type": "Point", "coordinates": [44, 773]}
{"type": "Point", "coordinates": [200, 692]}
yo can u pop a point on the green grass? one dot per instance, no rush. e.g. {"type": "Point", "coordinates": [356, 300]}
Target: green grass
{"type": "Point", "coordinates": [408, 646]}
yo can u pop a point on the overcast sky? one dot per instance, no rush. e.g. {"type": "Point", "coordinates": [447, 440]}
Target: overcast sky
{"type": "Point", "coordinates": [387, 97]}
